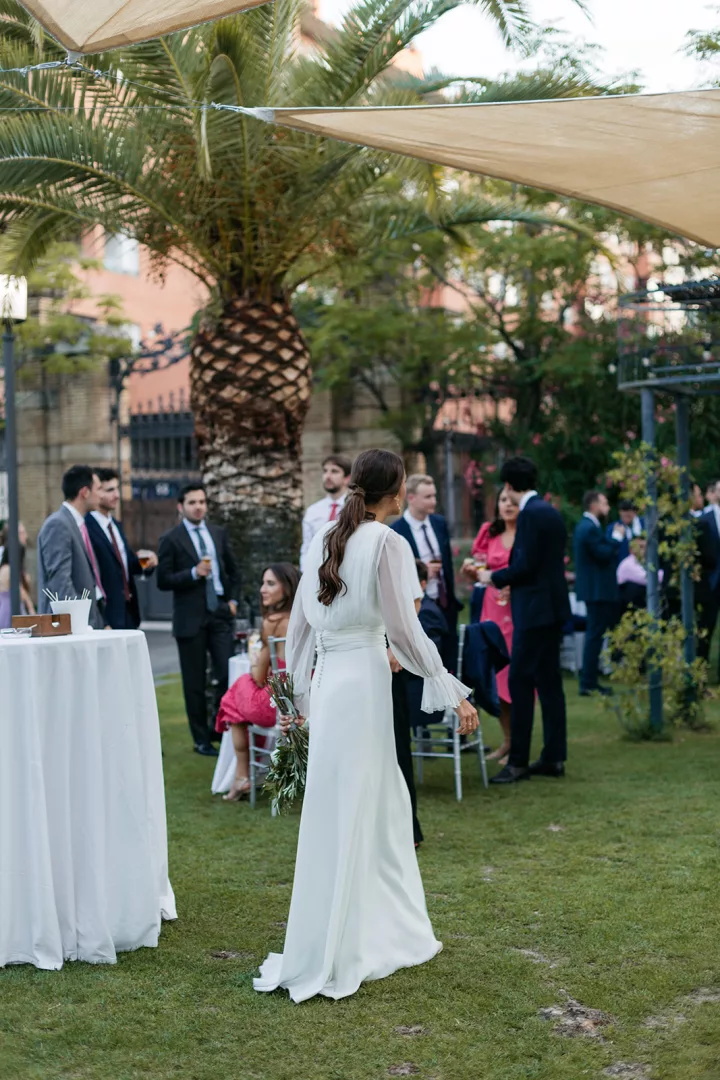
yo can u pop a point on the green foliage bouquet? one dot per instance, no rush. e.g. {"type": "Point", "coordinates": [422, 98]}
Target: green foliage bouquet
{"type": "Point", "coordinates": [286, 777]}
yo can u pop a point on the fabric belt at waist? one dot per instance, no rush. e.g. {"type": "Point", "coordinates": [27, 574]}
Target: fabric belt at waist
{"type": "Point", "coordinates": [354, 637]}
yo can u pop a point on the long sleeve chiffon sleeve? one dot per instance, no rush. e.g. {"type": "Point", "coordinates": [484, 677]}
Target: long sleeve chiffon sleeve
{"type": "Point", "coordinates": [408, 641]}
{"type": "Point", "coordinates": [300, 653]}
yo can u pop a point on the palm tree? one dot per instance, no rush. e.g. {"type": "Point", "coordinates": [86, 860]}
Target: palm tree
{"type": "Point", "coordinates": [250, 209]}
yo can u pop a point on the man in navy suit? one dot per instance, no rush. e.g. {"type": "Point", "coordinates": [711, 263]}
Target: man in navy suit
{"type": "Point", "coordinates": [632, 526]}
{"type": "Point", "coordinates": [540, 607]}
{"type": "Point", "coordinates": [118, 563]}
{"type": "Point", "coordinates": [596, 563]}
{"type": "Point", "coordinates": [707, 591]}
{"type": "Point", "coordinates": [408, 688]}
{"type": "Point", "coordinates": [429, 537]}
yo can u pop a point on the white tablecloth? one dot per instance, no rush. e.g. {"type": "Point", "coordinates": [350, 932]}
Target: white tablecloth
{"type": "Point", "coordinates": [83, 842]}
{"type": "Point", "coordinates": [225, 765]}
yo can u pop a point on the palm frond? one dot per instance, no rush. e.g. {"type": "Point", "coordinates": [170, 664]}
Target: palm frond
{"type": "Point", "coordinates": [242, 204]}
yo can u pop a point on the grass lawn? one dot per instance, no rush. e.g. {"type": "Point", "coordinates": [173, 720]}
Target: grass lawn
{"type": "Point", "coordinates": [602, 887]}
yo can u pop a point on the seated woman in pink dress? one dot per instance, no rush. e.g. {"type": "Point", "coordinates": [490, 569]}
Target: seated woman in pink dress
{"type": "Point", "coordinates": [247, 701]}
{"type": "Point", "coordinates": [492, 547]}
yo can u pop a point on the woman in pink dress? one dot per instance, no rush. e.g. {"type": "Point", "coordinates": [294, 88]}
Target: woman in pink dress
{"type": "Point", "coordinates": [492, 548]}
{"type": "Point", "coordinates": [247, 701]}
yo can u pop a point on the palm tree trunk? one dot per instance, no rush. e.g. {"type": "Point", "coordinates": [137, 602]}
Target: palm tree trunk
{"type": "Point", "coordinates": [250, 391]}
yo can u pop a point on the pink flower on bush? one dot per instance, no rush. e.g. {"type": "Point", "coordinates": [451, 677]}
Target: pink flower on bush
{"type": "Point", "coordinates": [490, 469]}
{"type": "Point", "coordinates": [595, 439]}
{"type": "Point", "coordinates": [536, 439]}
{"type": "Point", "coordinates": [566, 560]}
{"type": "Point", "coordinates": [456, 550]}
{"type": "Point", "coordinates": [631, 435]}
{"type": "Point", "coordinates": [664, 462]}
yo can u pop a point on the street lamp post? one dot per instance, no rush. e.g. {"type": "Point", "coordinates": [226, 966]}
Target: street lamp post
{"type": "Point", "coordinates": [13, 297]}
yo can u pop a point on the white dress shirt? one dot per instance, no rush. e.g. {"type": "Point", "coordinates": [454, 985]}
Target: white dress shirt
{"type": "Point", "coordinates": [428, 547]}
{"type": "Point", "coordinates": [80, 522]}
{"type": "Point", "coordinates": [77, 516]}
{"type": "Point", "coordinates": [592, 518]}
{"type": "Point", "coordinates": [315, 517]}
{"type": "Point", "coordinates": [526, 499]}
{"type": "Point", "coordinates": [105, 521]}
{"type": "Point", "coordinates": [193, 530]}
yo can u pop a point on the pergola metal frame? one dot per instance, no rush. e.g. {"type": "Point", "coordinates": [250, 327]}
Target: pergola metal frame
{"type": "Point", "coordinates": [682, 361]}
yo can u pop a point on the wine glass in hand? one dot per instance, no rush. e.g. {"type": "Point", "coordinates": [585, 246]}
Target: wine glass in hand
{"type": "Point", "coordinates": [147, 559]}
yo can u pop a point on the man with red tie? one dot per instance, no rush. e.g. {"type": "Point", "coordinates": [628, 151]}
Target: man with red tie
{"type": "Point", "coordinates": [67, 566]}
{"type": "Point", "coordinates": [429, 537]}
{"type": "Point", "coordinates": [117, 562]}
{"type": "Point", "coordinates": [336, 477]}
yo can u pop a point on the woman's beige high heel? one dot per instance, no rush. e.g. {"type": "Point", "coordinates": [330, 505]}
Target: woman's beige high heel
{"type": "Point", "coordinates": [239, 790]}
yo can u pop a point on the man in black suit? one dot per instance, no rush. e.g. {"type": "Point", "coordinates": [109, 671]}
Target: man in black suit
{"type": "Point", "coordinates": [118, 563]}
{"type": "Point", "coordinates": [707, 588]}
{"type": "Point", "coordinates": [540, 607]}
{"type": "Point", "coordinates": [196, 564]}
{"type": "Point", "coordinates": [596, 561]}
{"type": "Point", "coordinates": [408, 690]}
{"type": "Point", "coordinates": [429, 537]}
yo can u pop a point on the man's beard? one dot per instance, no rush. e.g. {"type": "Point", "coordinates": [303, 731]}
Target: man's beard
{"type": "Point", "coordinates": [332, 489]}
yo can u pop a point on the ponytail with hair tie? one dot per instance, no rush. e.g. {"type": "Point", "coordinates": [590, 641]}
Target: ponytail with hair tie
{"type": "Point", "coordinates": [377, 472]}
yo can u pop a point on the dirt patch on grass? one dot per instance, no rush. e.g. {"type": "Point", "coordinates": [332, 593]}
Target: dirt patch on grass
{"type": "Point", "coordinates": [704, 996]}
{"type": "Point", "coordinates": [572, 1019]}
{"type": "Point", "coordinates": [538, 958]}
{"type": "Point", "coordinates": [230, 954]}
{"type": "Point", "coordinates": [410, 1031]}
{"type": "Point", "coordinates": [626, 1071]}
{"type": "Point", "coordinates": [406, 1069]}
{"type": "Point", "coordinates": [672, 1017]}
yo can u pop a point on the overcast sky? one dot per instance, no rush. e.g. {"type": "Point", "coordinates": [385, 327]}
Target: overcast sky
{"type": "Point", "coordinates": [637, 35]}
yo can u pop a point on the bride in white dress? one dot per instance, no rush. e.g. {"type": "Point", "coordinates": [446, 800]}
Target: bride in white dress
{"type": "Point", "coordinates": [358, 908]}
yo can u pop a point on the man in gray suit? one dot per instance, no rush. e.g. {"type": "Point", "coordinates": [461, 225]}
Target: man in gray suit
{"type": "Point", "coordinates": [66, 560]}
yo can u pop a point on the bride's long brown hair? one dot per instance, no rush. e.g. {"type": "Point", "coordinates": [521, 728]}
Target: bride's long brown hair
{"type": "Point", "coordinates": [375, 475]}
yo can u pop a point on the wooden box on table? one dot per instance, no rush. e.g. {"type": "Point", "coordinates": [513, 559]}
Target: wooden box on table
{"type": "Point", "coordinates": [44, 625]}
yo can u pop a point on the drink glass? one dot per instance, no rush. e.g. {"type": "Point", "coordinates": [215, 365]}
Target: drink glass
{"type": "Point", "coordinates": [144, 560]}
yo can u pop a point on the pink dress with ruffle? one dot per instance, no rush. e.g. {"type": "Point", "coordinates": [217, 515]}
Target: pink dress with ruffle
{"type": "Point", "coordinates": [246, 703]}
{"type": "Point", "coordinates": [498, 558]}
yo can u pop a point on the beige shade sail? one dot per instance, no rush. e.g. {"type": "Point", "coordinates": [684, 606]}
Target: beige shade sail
{"type": "Point", "coordinates": [653, 156]}
{"type": "Point", "coordinates": [83, 26]}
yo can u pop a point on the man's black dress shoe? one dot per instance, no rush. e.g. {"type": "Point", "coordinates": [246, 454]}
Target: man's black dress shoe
{"type": "Point", "coordinates": [205, 749]}
{"type": "Point", "coordinates": [510, 775]}
{"type": "Point", "coordinates": [547, 768]}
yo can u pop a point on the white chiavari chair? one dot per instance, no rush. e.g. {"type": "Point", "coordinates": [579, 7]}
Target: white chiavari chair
{"type": "Point", "coordinates": [441, 740]}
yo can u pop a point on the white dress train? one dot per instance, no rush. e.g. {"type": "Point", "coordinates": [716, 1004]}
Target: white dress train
{"type": "Point", "coordinates": [358, 908]}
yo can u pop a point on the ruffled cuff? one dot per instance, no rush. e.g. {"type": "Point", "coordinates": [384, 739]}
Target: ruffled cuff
{"type": "Point", "coordinates": [442, 691]}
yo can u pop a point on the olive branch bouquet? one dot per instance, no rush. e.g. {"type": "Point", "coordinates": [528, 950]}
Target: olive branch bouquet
{"type": "Point", "coordinates": [285, 779]}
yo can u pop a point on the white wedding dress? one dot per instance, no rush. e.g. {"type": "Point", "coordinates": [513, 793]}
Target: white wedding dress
{"type": "Point", "coordinates": [358, 907]}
